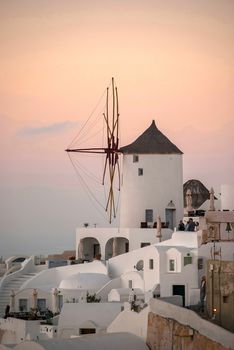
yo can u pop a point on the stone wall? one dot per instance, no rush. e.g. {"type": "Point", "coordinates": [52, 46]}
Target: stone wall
{"type": "Point", "coordinates": [168, 334]}
{"type": "Point", "coordinates": [173, 327]}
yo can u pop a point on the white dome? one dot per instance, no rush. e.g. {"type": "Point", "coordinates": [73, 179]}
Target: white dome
{"type": "Point", "coordinates": [84, 281]}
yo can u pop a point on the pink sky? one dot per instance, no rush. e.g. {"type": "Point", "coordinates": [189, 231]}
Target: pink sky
{"type": "Point", "coordinates": [172, 61]}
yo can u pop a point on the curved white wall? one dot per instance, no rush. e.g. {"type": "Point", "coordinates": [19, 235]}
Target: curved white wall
{"type": "Point", "coordinates": [161, 182]}
{"type": "Point", "coordinates": [131, 322]}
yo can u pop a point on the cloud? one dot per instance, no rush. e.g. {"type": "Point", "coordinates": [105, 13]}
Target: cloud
{"type": "Point", "coordinates": [47, 129]}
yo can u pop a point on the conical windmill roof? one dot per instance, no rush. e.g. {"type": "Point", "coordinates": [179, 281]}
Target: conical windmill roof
{"type": "Point", "coordinates": [152, 141]}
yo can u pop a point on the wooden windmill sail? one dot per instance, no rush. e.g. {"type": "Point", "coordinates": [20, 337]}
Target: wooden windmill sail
{"type": "Point", "coordinates": [110, 149]}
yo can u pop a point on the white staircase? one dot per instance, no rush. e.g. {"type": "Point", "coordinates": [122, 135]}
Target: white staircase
{"type": "Point", "coordinates": [13, 284]}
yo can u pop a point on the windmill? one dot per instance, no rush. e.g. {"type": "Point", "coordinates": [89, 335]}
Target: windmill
{"type": "Point", "coordinates": [110, 149]}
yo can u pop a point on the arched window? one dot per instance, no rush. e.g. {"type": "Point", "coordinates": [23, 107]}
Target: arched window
{"type": "Point", "coordinates": [173, 260]}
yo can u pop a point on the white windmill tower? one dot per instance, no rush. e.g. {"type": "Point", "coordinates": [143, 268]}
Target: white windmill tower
{"type": "Point", "coordinates": [152, 183]}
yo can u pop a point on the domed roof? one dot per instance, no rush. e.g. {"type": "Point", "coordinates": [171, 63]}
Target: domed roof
{"type": "Point", "coordinates": [199, 193]}
{"type": "Point", "coordinates": [152, 141]}
{"type": "Point", "coordinates": [84, 281]}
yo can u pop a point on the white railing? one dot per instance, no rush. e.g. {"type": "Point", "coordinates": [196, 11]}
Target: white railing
{"type": "Point", "coordinates": [26, 266]}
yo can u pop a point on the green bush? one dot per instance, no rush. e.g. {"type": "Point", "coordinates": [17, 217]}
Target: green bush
{"type": "Point", "coordinates": [91, 298]}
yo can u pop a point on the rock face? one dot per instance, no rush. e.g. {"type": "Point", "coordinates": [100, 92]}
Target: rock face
{"type": "Point", "coordinates": [167, 334]}
{"type": "Point", "coordinates": [199, 193]}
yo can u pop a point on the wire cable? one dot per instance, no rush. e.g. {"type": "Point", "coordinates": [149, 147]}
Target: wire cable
{"type": "Point", "coordinates": [94, 109]}
{"type": "Point", "coordinates": [90, 194]}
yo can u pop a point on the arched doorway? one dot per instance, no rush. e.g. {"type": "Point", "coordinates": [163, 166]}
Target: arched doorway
{"type": "Point", "coordinates": [116, 246]}
{"type": "Point", "coordinates": [89, 248]}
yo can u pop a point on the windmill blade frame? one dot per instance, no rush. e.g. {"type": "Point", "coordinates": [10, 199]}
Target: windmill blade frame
{"type": "Point", "coordinates": [111, 150]}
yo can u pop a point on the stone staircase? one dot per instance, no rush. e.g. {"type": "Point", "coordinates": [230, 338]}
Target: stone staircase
{"type": "Point", "coordinates": [14, 285]}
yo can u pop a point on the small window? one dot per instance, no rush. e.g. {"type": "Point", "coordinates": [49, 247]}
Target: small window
{"type": "Point", "coordinates": [187, 260]}
{"type": "Point", "coordinates": [41, 304]}
{"type": "Point", "coordinates": [225, 299]}
{"type": "Point", "coordinates": [149, 215]}
{"type": "Point", "coordinates": [23, 305]}
{"type": "Point", "coordinates": [200, 263]}
{"type": "Point", "coordinates": [140, 171]}
{"type": "Point", "coordinates": [144, 244]}
{"type": "Point", "coordinates": [171, 265]}
{"type": "Point", "coordinates": [126, 247]}
{"type": "Point", "coordinates": [60, 301]}
{"type": "Point", "coordinates": [130, 284]}
{"type": "Point", "coordinates": [135, 158]}
{"type": "Point", "coordinates": [87, 331]}
{"type": "Point", "coordinates": [151, 264]}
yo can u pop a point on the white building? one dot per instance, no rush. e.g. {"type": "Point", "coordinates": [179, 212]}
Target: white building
{"type": "Point", "coordinates": [152, 187]}
{"type": "Point", "coordinates": [86, 318]}
{"type": "Point", "coordinates": [115, 241]}
{"type": "Point", "coordinates": [152, 182]}
{"type": "Point", "coordinates": [136, 256]}
{"type": "Point", "coordinates": [227, 196]}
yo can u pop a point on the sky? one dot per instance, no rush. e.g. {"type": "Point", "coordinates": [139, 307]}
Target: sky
{"type": "Point", "coordinates": [172, 61]}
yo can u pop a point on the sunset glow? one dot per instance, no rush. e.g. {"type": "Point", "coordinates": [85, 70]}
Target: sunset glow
{"type": "Point", "coordinates": [172, 61]}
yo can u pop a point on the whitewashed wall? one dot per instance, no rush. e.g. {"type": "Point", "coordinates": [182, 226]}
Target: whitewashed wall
{"type": "Point", "coordinates": [183, 275]}
{"type": "Point", "coordinates": [227, 196]}
{"type": "Point", "coordinates": [151, 276]}
{"type": "Point", "coordinates": [124, 263]}
{"type": "Point", "coordinates": [75, 316]}
{"type": "Point", "coordinates": [136, 278]}
{"type": "Point", "coordinates": [15, 331]}
{"type": "Point", "coordinates": [135, 236]}
{"type": "Point", "coordinates": [132, 322]}
{"type": "Point", "coordinates": [138, 236]}
{"type": "Point", "coordinates": [162, 181]}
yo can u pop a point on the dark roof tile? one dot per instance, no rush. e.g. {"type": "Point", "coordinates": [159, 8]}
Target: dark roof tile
{"type": "Point", "coordinates": [152, 141]}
